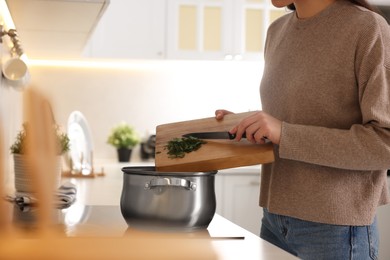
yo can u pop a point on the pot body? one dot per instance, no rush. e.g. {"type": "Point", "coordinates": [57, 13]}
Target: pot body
{"type": "Point", "coordinates": [174, 201]}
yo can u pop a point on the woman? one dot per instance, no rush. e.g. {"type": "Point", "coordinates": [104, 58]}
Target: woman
{"type": "Point", "coordinates": [325, 95]}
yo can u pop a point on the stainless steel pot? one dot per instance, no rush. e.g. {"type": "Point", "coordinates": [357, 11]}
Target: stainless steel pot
{"type": "Point", "coordinates": [176, 200]}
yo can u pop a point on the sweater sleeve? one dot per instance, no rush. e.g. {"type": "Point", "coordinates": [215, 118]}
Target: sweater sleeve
{"type": "Point", "coordinates": [364, 146]}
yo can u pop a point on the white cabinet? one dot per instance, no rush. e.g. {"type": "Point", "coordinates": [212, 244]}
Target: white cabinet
{"type": "Point", "coordinates": [55, 29]}
{"type": "Point", "coordinates": [183, 29]}
{"type": "Point", "coordinates": [196, 29]}
{"type": "Point", "coordinates": [218, 29]}
{"type": "Point", "coordinates": [130, 29]}
{"type": "Point", "coordinates": [237, 192]}
{"type": "Point", "coordinates": [383, 216]}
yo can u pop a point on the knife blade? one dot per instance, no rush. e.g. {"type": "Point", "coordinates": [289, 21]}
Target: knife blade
{"type": "Point", "coordinates": [213, 135]}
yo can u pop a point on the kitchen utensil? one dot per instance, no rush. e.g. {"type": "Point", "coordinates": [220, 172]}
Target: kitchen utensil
{"type": "Point", "coordinates": [41, 154]}
{"type": "Point", "coordinates": [213, 135]}
{"type": "Point", "coordinates": [180, 201]}
{"type": "Point", "coordinates": [15, 72]}
{"type": "Point", "coordinates": [215, 154]}
{"type": "Point", "coordinates": [148, 148]}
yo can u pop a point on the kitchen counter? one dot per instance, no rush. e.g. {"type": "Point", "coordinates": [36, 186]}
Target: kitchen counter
{"type": "Point", "coordinates": [221, 240]}
{"type": "Point", "coordinates": [97, 230]}
{"type": "Point", "coordinates": [96, 195]}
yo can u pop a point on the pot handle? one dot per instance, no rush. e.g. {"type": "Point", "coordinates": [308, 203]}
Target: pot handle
{"type": "Point", "coordinates": [176, 182]}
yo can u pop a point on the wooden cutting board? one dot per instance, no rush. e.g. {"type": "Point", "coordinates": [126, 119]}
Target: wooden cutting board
{"type": "Point", "coordinates": [215, 154]}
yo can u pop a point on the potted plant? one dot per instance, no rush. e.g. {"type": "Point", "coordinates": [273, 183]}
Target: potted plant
{"type": "Point", "coordinates": [18, 149]}
{"type": "Point", "coordinates": [123, 137]}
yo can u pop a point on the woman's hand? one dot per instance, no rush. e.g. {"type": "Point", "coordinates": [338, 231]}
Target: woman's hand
{"type": "Point", "coordinates": [258, 127]}
{"type": "Point", "coordinates": [220, 113]}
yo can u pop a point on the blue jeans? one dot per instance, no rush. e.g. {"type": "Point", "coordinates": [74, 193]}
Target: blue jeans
{"type": "Point", "coordinates": [310, 240]}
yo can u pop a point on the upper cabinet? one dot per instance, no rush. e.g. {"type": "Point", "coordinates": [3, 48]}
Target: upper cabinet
{"type": "Point", "coordinates": [55, 28]}
{"type": "Point", "coordinates": [130, 29]}
{"type": "Point", "coordinates": [199, 29]}
{"type": "Point", "coordinates": [147, 29]}
{"type": "Point", "coordinates": [218, 29]}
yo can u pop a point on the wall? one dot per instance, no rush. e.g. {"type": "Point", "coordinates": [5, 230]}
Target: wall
{"type": "Point", "coordinates": [10, 119]}
{"type": "Point", "coordinates": [146, 94]}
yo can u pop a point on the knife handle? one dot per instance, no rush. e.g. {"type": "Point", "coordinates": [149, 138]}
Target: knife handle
{"type": "Point", "coordinates": [232, 136]}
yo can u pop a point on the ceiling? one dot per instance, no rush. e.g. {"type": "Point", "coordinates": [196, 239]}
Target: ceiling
{"type": "Point", "coordinates": [55, 29]}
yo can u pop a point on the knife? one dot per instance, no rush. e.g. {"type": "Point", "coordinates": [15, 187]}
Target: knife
{"type": "Point", "coordinates": [213, 135]}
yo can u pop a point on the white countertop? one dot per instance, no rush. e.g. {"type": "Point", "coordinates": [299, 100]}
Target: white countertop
{"type": "Point", "coordinates": [102, 233]}
{"type": "Point", "coordinates": [106, 190]}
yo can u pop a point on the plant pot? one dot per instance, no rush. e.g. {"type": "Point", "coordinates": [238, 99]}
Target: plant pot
{"type": "Point", "coordinates": [124, 154]}
{"type": "Point", "coordinates": [22, 179]}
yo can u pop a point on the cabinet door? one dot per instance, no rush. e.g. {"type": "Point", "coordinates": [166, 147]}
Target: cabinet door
{"type": "Point", "coordinates": [198, 29]}
{"type": "Point", "coordinates": [130, 29]}
{"type": "Point", "coordinates": [219, 29]}
{"type": "Point", "coordinates": [383, 217]}
{"type": "Point", "coordinates": [253, 18]}
{"type": "Point", "coordinates": [241, 201]}
{"type": "Point", "coordinates": [219, 182]}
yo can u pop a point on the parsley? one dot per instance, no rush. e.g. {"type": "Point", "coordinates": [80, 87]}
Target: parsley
{"type": "Point", "coordinates": [178, 147]}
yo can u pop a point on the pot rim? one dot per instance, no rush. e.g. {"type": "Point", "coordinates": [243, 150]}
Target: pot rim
{"type": "Point", "coordinates": [151, 170]}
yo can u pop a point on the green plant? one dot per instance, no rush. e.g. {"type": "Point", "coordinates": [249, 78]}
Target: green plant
{"type": "Point", "coordinates": [178, 147]}
{"type": "Point", "coordinates": [123, 136]}
{"type": "Point", "coordinates": [19, 146]}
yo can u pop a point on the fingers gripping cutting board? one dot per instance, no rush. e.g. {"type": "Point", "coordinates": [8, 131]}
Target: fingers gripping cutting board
{"type": "Point", "coordinates": [215, 154]}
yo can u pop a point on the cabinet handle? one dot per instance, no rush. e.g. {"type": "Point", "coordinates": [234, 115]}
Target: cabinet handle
{"type": "Point", "coordinates": [254, 183]}
{"type": "Point", "coordinates": [228, 57]}
{"type": "Point", "coordinates": [233, 57]}
{"type": "Point", "coordinates": [238, 57]}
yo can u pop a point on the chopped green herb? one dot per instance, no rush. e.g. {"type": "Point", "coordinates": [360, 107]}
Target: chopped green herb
{"type": "Point", "coordinates": [178, 147]}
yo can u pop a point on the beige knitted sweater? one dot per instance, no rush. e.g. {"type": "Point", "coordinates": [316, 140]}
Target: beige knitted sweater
{"type": "Point", "coordinates": [328, 79]}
